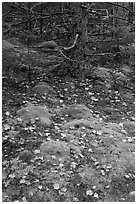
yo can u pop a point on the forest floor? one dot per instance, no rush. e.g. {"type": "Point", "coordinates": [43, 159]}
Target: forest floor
{"type": "Point", "coordinates": [66, 140]}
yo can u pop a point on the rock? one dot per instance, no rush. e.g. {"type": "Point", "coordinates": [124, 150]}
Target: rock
{"type": "Point", "coordinates": [128, 96]}
{"type": "Point", "coordinates": [69, 85]}
{"type": "Point", "coordinates": [121, 78]}
{"type": "Point", "coordinates": [43, 88]}
{"type": "Point", "coordinates": [13, 134]}
{"type": "Point", "coordinates": [7, 45]}
{"type": "Point", "coordinates": [33, 113]}
{"type": "Point", "coordinates": [54, 58]}
{"type": "Point", "coordinates": [129, 125]}
{"type": "Point", "coordinates": [102, 73]}
{"type": "Point", "coordinates": [58, 151]}
{"type": "Point", "coordinates": [125, 69]}
{"type": "Point", "coordinates": [54, 151]}
{"type": "Point", "coordinates": [109, 110]}
{"type": "Point", "coordinates": [77, 124]}
{"type": "Point", "coordinates": [26, 156]}
{"type": "Point", "coordinates": [76, 111]}
{"type": "Point", "coordinates": [54, 101]}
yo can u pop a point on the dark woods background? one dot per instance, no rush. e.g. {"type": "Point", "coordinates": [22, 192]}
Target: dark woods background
{"type": "Point", "coordinates": [103, 28]}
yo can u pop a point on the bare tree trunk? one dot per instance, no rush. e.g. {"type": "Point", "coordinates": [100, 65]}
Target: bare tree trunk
{"type": "Point", "coordinates": [112, 21]}
{"type": "Point", "coordinates": [41, 20]}
{"type": "Point", "coordinates": [81, 28]}
{"type": "Point", "coordinates": [29, 17]}
{"type": "Point", "coordinates": [131, 14]}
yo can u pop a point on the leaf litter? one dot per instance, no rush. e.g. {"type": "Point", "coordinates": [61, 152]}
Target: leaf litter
{"type": "Point", "coordinates": [89, 160]}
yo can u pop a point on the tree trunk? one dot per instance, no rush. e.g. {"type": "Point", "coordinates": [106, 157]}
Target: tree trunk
{"type": "Point", "coordinates": [41, 20]}
{"type": "Point", "coordinates": [81, 29]}
{"type": "Point", "coordinates": [130, 15]}
{"type": "Point", "coordinates": [29, 17]}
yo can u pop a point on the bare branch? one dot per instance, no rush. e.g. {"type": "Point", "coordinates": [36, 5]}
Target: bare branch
{"type": "Point", "coordinates": [123, 19]}
{"type": "Point", "coordinates": [102, 54]}
{"type": "Point", "coordinates": [74, 44]}
{"type": "Point", "coordinates": [119, 5]}
{"type": "Point", "coordinates": [6, 13]}
{"type": "Point", "coordinates": [23, 7]}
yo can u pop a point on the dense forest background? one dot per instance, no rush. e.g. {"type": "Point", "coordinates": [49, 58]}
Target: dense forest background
{"type": "Point", "coordinates": [68, 101]}
{"type": "Point", "coordinates": [101, 28]}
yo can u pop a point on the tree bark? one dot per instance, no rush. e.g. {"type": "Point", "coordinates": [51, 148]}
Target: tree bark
{"type": "Point", "coordinates": [81, 29]}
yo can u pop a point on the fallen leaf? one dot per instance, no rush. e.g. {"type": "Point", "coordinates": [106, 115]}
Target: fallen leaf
{"type": "Point", "coordinates": [47, 134]}
{"type": "Point", "coordinates": [94, 187]}
{"type": "Point", "coordinates": [99, 133]}
{"type": "Point", "coordinates": [124, 104]}
{"type": "Point", "coordinates": [6, 127]}
{"type": "Point", "coordinates": [127, 176]}
{"type": "Point", "coordinates": [22, 181]}
{"type": "Point", "coordinates": [73, 165]}
{"type": "Point", "coordinates": [56, 186]}
{"type": "Point", "coordinates": [75, 199]}
{"type": "Point", "coordinates": [102, 172]}
{"type": "Point", "coordinates": [19, 119]}
{"type": "Point", "coordinates": [89, 192]}
{"type": "Point", "coordinates": [36, 151]}
{"type": "Point", "coordinates": [11, 175]}
{"type": "Point", "coordinates": [64, 189]}
{"type": "Point", "coordinates": [24, 199]}
{"type": "Point", "coordinates": [95, 195]}
{"type": "Point", "coordinates": [132, 193]}
{"type": "Point", "coordinates": [90, 93]}
{"type": "Point", "coordinates": [61, 165]}
{"type": "Point", "coordinates": [130, 140]}
{"type": "Point", "coordinates": [40, 187]}
{"type": "Point", "coordinates": [7, 113]}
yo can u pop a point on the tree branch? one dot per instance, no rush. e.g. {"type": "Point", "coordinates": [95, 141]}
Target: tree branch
{"type": "Point", "coordinates": [4, 15]}
{"type": "Point", "coordinates": [123, 19]}
{"type": "Point", "coordinates": [119, 5]}
{"type": "Point", "coordinates": [74, 44]}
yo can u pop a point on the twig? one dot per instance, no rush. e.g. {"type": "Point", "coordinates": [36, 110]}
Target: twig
{"type": "Point", "coordinates": [102, 54]}
{"type": "Point", "coordinates": [119, 5]}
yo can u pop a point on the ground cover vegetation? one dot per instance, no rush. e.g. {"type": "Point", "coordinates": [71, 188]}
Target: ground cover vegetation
{"type": "Point", "coordinates": [68, 77]}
